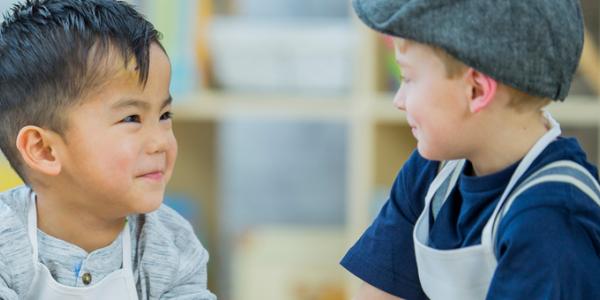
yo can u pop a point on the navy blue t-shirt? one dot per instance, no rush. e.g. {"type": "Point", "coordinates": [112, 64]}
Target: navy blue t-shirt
{"type": "Point", "coordinates": [548, 244]}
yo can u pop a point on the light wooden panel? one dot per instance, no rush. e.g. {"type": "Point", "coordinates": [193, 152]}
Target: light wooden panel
{"type": "Point", "coordinates": [590, 62]}
{"type": "Point", "coordinates": [196, 176]}
{"type": "Point", "coordinates": [393, 145]}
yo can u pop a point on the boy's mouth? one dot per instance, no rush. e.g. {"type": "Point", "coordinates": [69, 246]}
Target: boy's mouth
{"type": "Point", "coordinates": [154, 175]}
{"type": "Point", "coordinates": [413, 129]}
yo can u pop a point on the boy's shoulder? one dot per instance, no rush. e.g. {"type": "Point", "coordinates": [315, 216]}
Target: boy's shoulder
{"type": "Point", "coordinates": [558, 196]}
{"type": "Point", "coordinates": [166, 249]}
{"type": "Point", "coordinates": [14, 204]}
{"type": "Point", "coordinates": [562, 149]}
{"type": "Point", "coordinates": [15, 201]}
{"type": "Point", "coordinates": [15, 249]}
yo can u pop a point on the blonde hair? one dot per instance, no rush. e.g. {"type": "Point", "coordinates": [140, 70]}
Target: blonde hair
{"type": "Point", "coordinates": [520, 101]}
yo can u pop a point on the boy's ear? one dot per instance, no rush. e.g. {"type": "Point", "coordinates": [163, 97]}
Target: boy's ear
{"type": "Point", "coordinates": [483, 90]}
{"type": "Point", "coordinates": [37, 148]}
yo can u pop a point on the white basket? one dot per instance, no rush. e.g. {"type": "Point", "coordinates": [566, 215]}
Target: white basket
{"type": "Point", "coordinates": [306, 56]}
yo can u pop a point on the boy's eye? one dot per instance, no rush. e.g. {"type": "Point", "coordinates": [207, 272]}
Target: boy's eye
{"type": "Point", "coordinates": [166, 116]}
{"type": "Point", "coordinates": [131, 119]}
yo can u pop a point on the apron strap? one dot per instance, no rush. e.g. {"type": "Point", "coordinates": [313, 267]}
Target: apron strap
{"type": "Point", "coordinates": [446, 188]}
{"type": "Point", "coordinates": [126, 247]}
{"type": "Point", "coordinates": [32, 225]}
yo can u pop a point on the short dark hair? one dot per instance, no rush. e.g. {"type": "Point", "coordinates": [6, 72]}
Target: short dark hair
{"type": "Point", "coordinates": [50, 51]}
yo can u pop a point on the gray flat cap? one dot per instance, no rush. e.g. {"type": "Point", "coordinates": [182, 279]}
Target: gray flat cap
{"type": "Point", "coordinates": [531, 45]}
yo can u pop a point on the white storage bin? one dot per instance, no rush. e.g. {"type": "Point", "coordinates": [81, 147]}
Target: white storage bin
{"type": "Point", "coordinates": [307, 56]}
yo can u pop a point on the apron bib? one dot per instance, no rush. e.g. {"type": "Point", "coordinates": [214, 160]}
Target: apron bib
{"type": "Point", "coordinates": [118, 285]}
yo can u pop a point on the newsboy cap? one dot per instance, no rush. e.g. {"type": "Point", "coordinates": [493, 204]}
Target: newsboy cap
{"type": "Point", "coordinates": [531, 45]}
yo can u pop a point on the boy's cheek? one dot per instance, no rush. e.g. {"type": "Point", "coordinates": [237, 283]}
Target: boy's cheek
{"type": "Point", "coordinates": [175, 149]}
{"type": "Point", "coordinates": [119, 165]}
{"type": "Point", "coordinates": [172, 152]}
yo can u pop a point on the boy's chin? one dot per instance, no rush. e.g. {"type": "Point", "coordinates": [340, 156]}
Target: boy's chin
{"type": "Point", "coordinates": [425, 153]}
{"type": "Point", "coordinates": [148, 204]}
{"type": "Point", "coordinates": [430, 155]}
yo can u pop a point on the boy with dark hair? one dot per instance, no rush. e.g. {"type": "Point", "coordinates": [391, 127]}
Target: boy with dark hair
{"type": "Point", "coordinates": [85, 121]}
{"type": "Point", "coordinates": [514, 212]}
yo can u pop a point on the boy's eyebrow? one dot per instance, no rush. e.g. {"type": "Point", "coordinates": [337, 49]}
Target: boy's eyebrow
{"type": "Point", "coordinates": [139, 103]}
{"type": "Point", "coordinates": [167, 102]}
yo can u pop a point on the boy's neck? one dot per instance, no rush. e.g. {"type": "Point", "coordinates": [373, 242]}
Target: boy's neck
{"type": "Point", "coordinates": [508, 143]}
{"type": "Point", "coordinates": [76, 226]}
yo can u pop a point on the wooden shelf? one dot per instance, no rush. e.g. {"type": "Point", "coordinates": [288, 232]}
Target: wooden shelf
{"type": "Point", "coordinates": [210, 105]}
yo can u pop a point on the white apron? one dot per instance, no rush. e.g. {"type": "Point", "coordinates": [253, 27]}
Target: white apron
{"type": "Point", "coordinates": [466, 273]}
{"type": "Point", "coordinates": [116, 286]}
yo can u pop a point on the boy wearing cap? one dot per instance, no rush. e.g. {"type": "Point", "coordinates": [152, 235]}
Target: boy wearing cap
{"type": "Point", "coordinates": [85, 121]}
{"type": "Point", "coordinates": [514, 212]}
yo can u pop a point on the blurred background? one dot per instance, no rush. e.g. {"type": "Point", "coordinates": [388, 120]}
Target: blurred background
{"type": "Point", "coordinates": [288, 138]}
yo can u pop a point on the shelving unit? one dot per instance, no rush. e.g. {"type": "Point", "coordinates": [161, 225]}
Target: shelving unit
{"type": "Point", "coordinates": [379, 140]}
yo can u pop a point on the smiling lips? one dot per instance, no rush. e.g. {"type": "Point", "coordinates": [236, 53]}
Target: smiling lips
{"type": "Point", "coordinates": [413, 128]}
{"type": "Point", "coordinates": [154, 175]}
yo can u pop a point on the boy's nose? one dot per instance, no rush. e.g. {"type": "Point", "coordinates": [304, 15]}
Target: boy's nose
{"type": "Point", "coordinates": [158, 141]}
{"type": "Point", "coordinates": [399, 99]}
